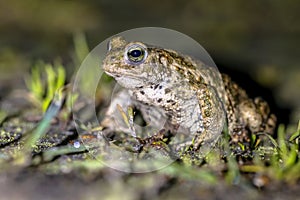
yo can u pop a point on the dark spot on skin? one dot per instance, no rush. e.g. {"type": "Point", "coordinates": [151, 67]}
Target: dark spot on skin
{"type": "Point", "coordinates": [142, 92]}
{"type": "Point", "coordinates": [169, 100]}
{"type": "Point", "coordinates": [160, 87]}
{"type": "Point", "coordinates": [159, 100]}
{"type": "Point", "coordinates": [153, 60]}
{"type": "Point", "coordinates": [159, 60]}
{"type": "Point", "coordinates": [207, 114]}
{"type": "Point", "coordinates": [170, 61]}
{"type": "Point", "coordinates": [155, 87]}
{"type": "Point", "coordinates": [167, 90]}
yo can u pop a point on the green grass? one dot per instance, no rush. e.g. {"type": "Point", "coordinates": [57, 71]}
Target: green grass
{"type": "Point", "coordinates": [43, 82]}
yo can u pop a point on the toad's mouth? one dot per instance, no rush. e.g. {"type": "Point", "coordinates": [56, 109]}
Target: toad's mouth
{"type": "Point", "coordinates": [128, 80]}
{"type": "Point", "coordinates": [123, 75]}
{"type": "Point", "coordinates": [112, 74]}
{"type": "Point", "coordinates": [115, 71]}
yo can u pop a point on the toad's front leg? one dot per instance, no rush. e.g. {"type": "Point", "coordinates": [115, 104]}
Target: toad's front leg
{"type": "Point", "coordinates": [113, 120]}
{"type": "Point", "coordinates": [153, 117]}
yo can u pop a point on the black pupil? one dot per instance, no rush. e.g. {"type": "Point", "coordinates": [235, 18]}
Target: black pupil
{"type": "Point", "coordinates": [136, 53]}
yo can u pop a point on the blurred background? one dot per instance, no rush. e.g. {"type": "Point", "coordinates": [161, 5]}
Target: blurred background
{"type": "Point", "coordinates": [256, 42]}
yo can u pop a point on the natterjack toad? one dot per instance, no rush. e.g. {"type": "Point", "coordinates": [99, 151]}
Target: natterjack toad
{"type": "Point", "coordinates": [189, 95]}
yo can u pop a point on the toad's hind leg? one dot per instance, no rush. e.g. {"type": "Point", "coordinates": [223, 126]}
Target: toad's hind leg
{"type": "Point", "coordinates": [254, 117]}
{"type": "Point", "coordinates": [268, 119]}
{"type": "Point", "coordinates": [246, 116]}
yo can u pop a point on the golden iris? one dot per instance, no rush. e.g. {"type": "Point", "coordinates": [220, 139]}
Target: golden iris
{"type": "Point", "coordinates": [136, 54]}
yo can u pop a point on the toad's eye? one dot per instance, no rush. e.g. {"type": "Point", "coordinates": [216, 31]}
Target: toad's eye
{"type": "Point", "coordinates": [135, 54]}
